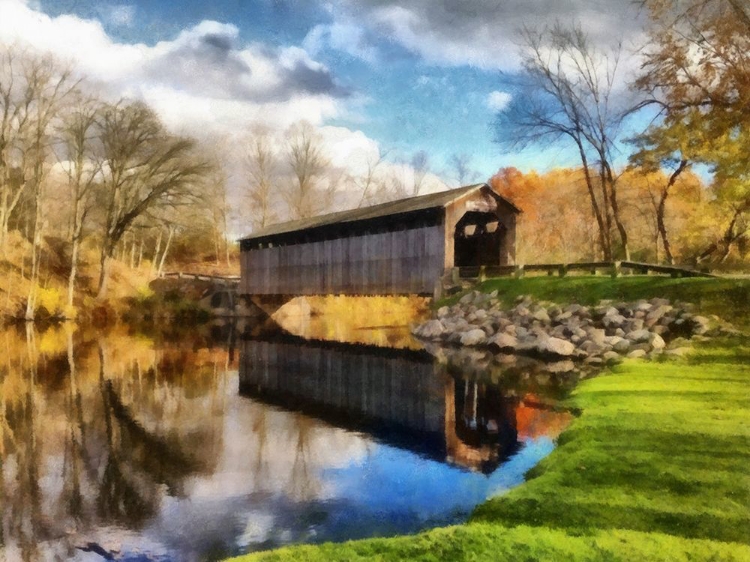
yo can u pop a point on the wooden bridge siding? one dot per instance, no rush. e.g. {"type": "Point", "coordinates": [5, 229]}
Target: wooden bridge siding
{"type": "Point", "coordinates": [392, 389]}
{"type": "Point", "coordinates": [397, 262]}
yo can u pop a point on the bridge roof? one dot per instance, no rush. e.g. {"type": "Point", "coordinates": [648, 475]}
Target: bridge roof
{"type": "Point", "coordinates": [408, 205]}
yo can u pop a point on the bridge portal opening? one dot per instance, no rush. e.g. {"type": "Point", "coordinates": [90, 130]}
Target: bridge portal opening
{"type": "Point", "coordinates": [478, 240]}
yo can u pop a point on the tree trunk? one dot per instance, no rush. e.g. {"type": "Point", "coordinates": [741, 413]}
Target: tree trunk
{"type": "Point", "coordinates": [603, 235]}
{"type": "Point", "coordinates": [140, 253]}
{"type": "Point", "coordinates": [73, 270]}
{"type": "Point", "coordinates": [620, 226]}
{"type": "Point", "coordinates": [164, 253]}
{"type": "Point", "coordinates": [155, 259]}
{"type": "Point", "coordinates": [661, 211]}
{"type": "Point", "coordinates": [104, 263]}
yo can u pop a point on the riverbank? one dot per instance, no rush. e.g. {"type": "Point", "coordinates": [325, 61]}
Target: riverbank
{"type": "Point", "coordinates": [654, 467]}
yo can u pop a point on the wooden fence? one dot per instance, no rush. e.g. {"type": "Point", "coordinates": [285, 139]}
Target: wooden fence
{"type": "Point", "coordinates": [615, 269]}
{"type": "Point", "coordinates": [224, 279]}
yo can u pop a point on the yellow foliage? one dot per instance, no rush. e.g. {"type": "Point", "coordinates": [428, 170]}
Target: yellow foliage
{"type": "Point", "coordinates": [53, 341]}
{"type": "Point", "coordinates": [52, 299]}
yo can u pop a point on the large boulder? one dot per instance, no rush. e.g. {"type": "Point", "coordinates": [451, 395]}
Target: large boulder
{"type": "Point", "coordinates": [503, 342]}
{"type": "Point", "coordinates": [638, 336]}
{"type": "Point", "coordinates": [656, 313]}
{"type": "Point", "coordinates": [555, 347]}
{"type": "Point", "coordinates": [475, 336]}
{"type": "Point", "coordinates": [432, 329]}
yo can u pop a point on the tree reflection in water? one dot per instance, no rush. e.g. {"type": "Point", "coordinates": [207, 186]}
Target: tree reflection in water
{"type": "Point", "coordinates": [122, 444]}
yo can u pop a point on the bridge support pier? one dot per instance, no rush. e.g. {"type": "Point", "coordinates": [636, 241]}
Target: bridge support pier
{"type": "Point", "coordinates": [261, 306]}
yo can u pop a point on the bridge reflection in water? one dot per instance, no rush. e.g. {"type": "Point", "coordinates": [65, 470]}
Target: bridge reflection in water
{"type": "Point", "coordinates": [402, 397]}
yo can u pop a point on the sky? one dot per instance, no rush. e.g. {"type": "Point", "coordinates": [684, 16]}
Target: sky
{"type": "Point", "coordinates": [376, 76]}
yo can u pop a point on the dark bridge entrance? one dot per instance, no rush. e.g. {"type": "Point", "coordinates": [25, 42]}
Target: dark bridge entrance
{"type": "Point", "coordinates": [478, 239]}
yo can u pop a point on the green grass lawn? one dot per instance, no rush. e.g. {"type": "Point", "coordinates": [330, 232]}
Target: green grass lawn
{"type": "Point", "coordinates": [655, 467]}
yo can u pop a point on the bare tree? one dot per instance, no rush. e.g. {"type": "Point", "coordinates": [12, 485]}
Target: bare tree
{"type": "Point", "coordinates": [461, 165]}
{"type": "Point", "coordinates": [80, 156]}
{"type": "Point", "coordinates": [49, 84]}
{"type": "Point", "coordinates": [420, 164]}
{"type": "Point", "coordinates": [567, 90]}
{"type": "Point", "coordinates": [261, 168]}
{"type": "Point", "coordinates": [146, 168]}
{"type": "Point", "coordinates": [370, 185]}
{"type": "Point", "coordinates": [308, 195]}
{"type": "Point", "coordinates": [32, 87]}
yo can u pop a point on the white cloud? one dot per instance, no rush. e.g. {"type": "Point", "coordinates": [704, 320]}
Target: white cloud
{"type": "Point", "coordinates": [481, 33]}
{"type": "Point", "coordinates": [497, 101]}
{"type": "Point", "coordinates": [202, 81]}
{"type": "Point", "coordinates": [121, 15]}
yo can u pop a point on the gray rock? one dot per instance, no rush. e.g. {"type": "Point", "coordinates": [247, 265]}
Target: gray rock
{"type": "Point", "coordinates": [475, 336]}
{"type": "Point", "coordinates": [503, 342]}
{"type": "Point", "coordinates": [431, 329]}
{"type": "Point", "coordinates": [561, 366]}
{"type": "Point", "coordinates": [621, 346]}
{"type": "Point", "coordinates": [596, 335]}
{"type": "Point", "coordinates": [638, 336]}
{"type": "Point", "coordinates": [700, 324]}
{"type": "Point", "coordinates": [613, 320]}
{"type": "Point", "coordinates": [556, 346]}
{"type": "Point", "coordinates": [563, 316]}
{"type": "Point", "coordinates": [611, 357]}
{"type": "Point", "coordinates": [592, 348]}
{"type": "Point", "coordinates": [541, 315]}
{"type": "Point", "coordinates": [656, 313]}
{"type": "Point", "coordinates": [636, 354]}
{"type": "Point", "coordinates": [443, 311]}
{"type": "Point", "coordinates": [657, 342]}
{"type": "Point", "coordinates": [468, 298]}
{"type": "Point", "coordinates": [678, 351]}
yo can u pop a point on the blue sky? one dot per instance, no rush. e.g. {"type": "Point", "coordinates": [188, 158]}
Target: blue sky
{"type": "Point", "coordinates": [409, 76]}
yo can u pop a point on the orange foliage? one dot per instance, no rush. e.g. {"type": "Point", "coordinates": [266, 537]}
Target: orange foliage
{"type": "Point", "coordinates": [557, 224]}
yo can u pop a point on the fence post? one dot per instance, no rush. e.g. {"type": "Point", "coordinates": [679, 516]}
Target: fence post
{"type": "Point", "coordinates": [562, 270]}
{"type": "Point", "coordinates": [518, 273]}
{"type": "Point", "coordinates": [482, 274]}
{"type": "Point", "coordinates": [455, 275]}
{"type": "Point", "coordinates": [616, 269]}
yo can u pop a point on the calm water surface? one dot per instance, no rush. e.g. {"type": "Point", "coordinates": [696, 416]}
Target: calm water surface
{"type": "Point", "coordinates": [189, 447]}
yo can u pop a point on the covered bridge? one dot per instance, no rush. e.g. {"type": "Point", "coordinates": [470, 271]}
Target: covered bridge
{"type": "Point", "coordinates": [401, 247]}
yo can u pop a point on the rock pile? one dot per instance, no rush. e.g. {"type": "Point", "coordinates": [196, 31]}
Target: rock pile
{"type": "Point", "coordinates": [601, 334]}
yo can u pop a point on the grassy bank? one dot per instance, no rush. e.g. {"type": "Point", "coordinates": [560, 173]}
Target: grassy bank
{"type": "Point", "coordinates": [653, 468]}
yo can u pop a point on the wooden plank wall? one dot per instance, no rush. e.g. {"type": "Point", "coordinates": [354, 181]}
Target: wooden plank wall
{"type": "Point", "coordinates": [399, 262]}
{"type": "Point", "coordinates": [383, 386]}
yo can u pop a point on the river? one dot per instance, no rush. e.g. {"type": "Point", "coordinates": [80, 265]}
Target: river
{"type": "Point", "coordinates": [207, 442]}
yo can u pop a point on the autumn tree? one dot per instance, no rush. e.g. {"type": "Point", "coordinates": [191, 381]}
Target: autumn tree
{"type": "Point", "coordinates": [146, 168]}
{"type": "Point", "coordinates": [567, 94]}
{"type": "Point", "coordinates": [552, 228]}
{"type": "Point", "coordinates": [667, 148]}
{"type": "Point", "coordinates": [697, 72]}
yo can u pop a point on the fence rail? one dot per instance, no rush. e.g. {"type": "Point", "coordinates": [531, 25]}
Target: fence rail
{"type": "Point", "coordinates": [614, 269]}
{"type": "Point", "coordinates": [228, 279]}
